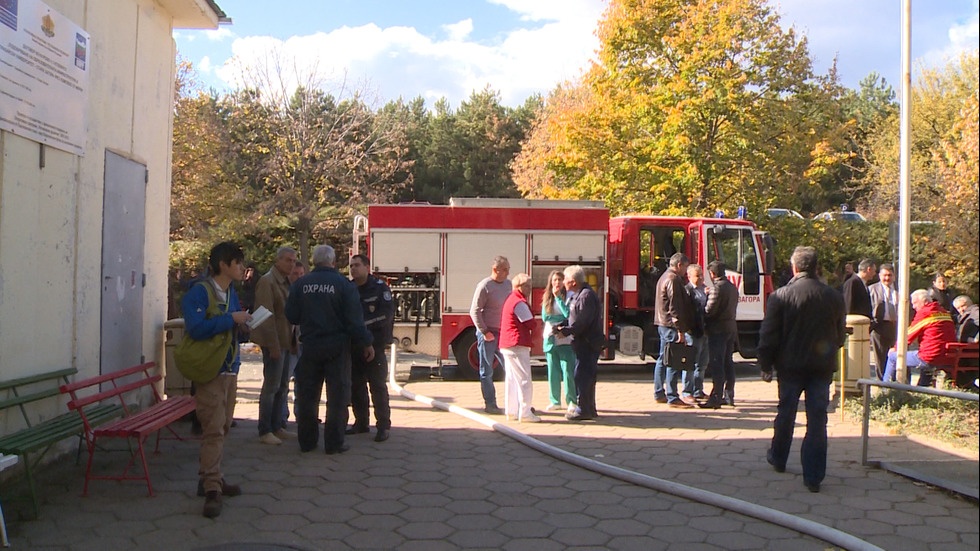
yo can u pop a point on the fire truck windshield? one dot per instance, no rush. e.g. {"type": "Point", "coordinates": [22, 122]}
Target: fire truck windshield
{"type": "Point", "coordinates": [735, 246]}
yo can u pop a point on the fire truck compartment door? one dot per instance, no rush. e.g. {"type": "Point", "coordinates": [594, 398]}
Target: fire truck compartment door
{"type": "Point", "coordinates": [398, 251]}
{"type": "Point", "coordinates": [469, 257]}
{"type": "Point", "coordinates": [569, 247]}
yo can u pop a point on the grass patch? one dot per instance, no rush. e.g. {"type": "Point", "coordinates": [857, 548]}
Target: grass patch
{"type": "Point", "coordinates": [946, 419]}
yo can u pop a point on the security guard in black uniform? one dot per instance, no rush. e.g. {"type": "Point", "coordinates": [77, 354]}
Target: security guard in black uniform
{"type": "Point", "coordinates": [379, 315]}
{"type": "Point", "coordinates": [326, 307]}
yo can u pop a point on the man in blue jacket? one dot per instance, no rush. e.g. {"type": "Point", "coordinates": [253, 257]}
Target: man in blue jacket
{"type": "Point", "coordinates": [216, 398]}
{"type": "Point", "coordinates": [327, 308]}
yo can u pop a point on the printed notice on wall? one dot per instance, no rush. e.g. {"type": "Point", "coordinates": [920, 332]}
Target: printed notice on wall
{"type": "Point", "coordinates": [44, 67]}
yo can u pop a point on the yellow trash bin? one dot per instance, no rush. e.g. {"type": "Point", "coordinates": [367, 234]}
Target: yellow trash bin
{"type": "Point", "coordinates": [857, 354]}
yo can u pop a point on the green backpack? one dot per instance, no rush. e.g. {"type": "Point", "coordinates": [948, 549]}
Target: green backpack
{"type": "Point", "coordinates": [201, 361]}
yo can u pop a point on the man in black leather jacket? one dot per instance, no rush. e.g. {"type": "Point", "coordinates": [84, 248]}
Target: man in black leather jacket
{"type": "Point", "coordinates": [722, 336]}
{"type": "Point", "coordinates": [800, 337]}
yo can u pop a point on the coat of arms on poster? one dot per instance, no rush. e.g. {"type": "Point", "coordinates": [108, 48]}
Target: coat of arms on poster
{"type": "Point", "coordinates": [44, 78]}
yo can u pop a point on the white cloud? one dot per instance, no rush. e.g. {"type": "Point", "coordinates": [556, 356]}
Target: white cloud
{"type": "Point", "coordinates": [220, 34]}
{"type": "Point", "coordinates": [459, 31]}
{"type": "Point", "coordinates": [400, 61]}
{"type": "Point", "coordinates": [204, 66]}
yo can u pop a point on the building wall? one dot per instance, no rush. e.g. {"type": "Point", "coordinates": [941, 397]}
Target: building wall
{"type": "Point", "coordinates": [51, 217]}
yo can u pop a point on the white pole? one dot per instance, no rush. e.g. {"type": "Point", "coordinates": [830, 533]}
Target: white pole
{"type": "Point", "coordinates": [905, 193]}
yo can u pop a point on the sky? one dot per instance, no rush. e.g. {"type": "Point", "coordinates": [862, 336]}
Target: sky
{"type": "Point", "coordinates": [386, 49]}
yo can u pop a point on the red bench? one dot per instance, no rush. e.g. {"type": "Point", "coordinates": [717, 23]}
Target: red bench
{"type": "Point", "coordinates": [138, 425]}
{"type": "Point", "coordinates": [965, 366]}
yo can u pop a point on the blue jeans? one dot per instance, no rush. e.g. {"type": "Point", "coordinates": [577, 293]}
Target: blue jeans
{"type": "Point", "coordinates": [272, 397]}
{"type": "Point", "coordinates": [693, 380]}
{"type": "Point", "coordinates": [813, 453]}
{"type": "Point", "coordinates": [488, 353]}
{"type": "Point", "coordinates": [665, 378]}
{"type": "Point", "coordinates": [289, 365]}
{"type": "Point", "coordinates": [912, 359]}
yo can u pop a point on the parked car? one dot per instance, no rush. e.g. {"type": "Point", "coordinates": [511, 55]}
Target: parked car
{"type": "Point", "coordinates": [844, 215]}
{"type": "Point", "coordinates": [781, 213]}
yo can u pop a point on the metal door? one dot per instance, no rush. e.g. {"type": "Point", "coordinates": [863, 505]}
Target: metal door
{"type": "Point", "coordinates": [123, 226]}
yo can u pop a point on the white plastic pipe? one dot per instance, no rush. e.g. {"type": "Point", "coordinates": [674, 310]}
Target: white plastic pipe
{"type": "Point", "coordinates": [786, 520]}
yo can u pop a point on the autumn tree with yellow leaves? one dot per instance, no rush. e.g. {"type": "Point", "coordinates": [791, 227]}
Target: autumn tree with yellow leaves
{"type": "Point", "coordinates": [692, 106]}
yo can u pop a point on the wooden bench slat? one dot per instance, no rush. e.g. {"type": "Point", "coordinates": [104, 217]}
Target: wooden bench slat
{"type": "Point", "coordinates": [149, 420]}
{"type": "Point", "coordinates": [27, 398]}
{"type": "Point", "coordinates": [76, 403]}
{"type": "Point", "coordinates": [99, 379]}
{"type": "Point", "coordinates": [40, 377]}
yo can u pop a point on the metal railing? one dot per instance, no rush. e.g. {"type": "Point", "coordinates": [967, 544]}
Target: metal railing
{"type": "Point", "coordinates": [868, 383]}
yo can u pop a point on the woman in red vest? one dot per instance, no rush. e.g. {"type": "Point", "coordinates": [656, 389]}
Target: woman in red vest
{"type": "Point", "coordinates": [516, 325]}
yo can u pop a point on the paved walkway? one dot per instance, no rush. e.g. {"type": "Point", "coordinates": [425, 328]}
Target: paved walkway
{"type": "Point", "coordinates": [445, 482]}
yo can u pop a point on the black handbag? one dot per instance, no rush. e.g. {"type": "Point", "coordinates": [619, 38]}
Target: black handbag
{"type": "Point", "coordinates": [679, 356]}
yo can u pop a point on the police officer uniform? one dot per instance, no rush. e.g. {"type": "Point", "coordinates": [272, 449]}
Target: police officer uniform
{"type": "Point", "coordinates": [378, 310]}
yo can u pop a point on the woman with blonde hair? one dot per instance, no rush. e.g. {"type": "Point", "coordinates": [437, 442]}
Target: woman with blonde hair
{"type": "Point", "coordinates": [557, 348]}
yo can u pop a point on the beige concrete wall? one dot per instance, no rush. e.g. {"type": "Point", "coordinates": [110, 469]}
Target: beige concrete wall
{"type": "Point", "coordinates": [51, 217]}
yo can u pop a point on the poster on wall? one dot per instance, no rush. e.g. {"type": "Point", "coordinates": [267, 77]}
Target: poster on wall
{"type": "Point", "coordinates": [44, 67]}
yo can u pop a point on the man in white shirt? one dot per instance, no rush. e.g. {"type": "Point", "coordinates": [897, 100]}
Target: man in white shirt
{"type": "Point", "coordinates": [884, 315]}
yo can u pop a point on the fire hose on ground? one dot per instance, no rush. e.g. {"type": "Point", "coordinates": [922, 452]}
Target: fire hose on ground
{"type": "Point", "coordinates": [786, 520]}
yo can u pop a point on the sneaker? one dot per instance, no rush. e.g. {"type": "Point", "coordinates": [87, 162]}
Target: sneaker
{"type": "Point", "coordinates": [283, 434]}
{"type": "Point", "coordinates": [572, 408]}
{"type": "Point", "coordinates": [269, 439]}
{"type": "Point", "coordinates": [530, 418]}
{"type": "Point", "coordinates": [212, 504]}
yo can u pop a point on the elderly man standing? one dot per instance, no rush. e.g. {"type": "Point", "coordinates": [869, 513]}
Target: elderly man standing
{"type": "Point", "coordinates": [327, 308]}
{"type": "Point", "coordinates": [275, 338]}
{"type": "Point", "coordinates": [585, 327]}
{"type": "Point", "coordinates": [674, 316]}
{"type": "Point", "coordinates": [800, 335]}
{"type": "Point", "coordinates": [516, 324]}
{"type": "Point", "coordinates": [485, 311]}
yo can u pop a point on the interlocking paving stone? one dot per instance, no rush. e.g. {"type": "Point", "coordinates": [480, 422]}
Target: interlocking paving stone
{"type": "Point", "coordinates": [444, 482]}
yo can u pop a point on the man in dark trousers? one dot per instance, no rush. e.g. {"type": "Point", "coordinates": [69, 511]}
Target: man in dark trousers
{"type": "Point", "coordinates": [722, 334]}
{"type": "Point", "coordinates": [884, 312]}
{"type": "Point", "coordinates": [585, 327]}
{"type": "Point", "coordinates": [801, 334]}
{"type": "Point", "coordinates": [327, 308]}
{"type": "Point", "coordinates": [379, 315]}
{"type": "Point", "coordinates": [857, 300]}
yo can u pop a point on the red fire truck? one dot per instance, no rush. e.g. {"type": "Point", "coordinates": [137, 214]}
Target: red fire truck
{"type": "Point", "coordinates": [433, 256]}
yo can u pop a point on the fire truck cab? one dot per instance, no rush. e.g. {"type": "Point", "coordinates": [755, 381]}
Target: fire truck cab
{"type": "Point", "coordinates": [639, 250]}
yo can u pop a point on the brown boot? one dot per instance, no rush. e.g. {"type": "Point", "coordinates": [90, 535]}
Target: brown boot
{"type": "Point", "coordinates": [212, 504]}
{"type": "Point", "coordinates": [227, 490]}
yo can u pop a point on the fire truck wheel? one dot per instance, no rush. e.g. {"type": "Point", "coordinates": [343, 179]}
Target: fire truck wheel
{"type": "Point", "coordinates": [468, 358]}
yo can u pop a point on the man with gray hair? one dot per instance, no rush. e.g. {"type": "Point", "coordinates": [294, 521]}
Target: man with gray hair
{"type": "Point", "coordinates": [485, 311]}
{"type": "Point", "coordinates": [275, 338]}
{"type": "Point", "coordinates": [969, 326]}
{"type": "Point", "coordinates": [933, 327]}
{"type": "Point", "coordinates": [800, 335]}
{"type": "Point", "coordinates": [327, 308]}
{"type": "Point", "coordinates": [585, 326]}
